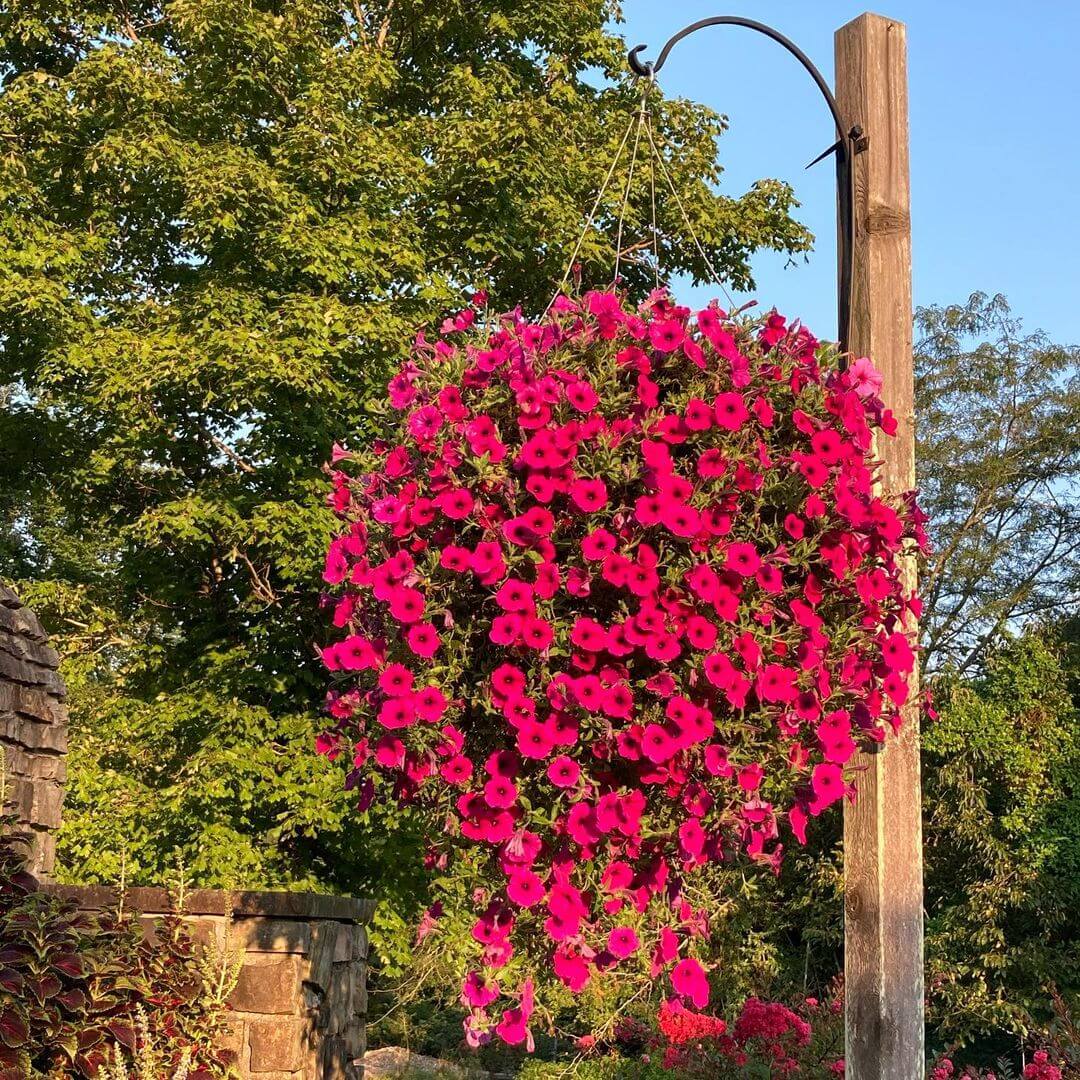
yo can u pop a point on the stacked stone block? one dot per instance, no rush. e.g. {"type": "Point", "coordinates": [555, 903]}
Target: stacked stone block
{"type": "Point", "coordinates": [33, 728]}
{"type": "Point", "coordinates": [300, 1005]}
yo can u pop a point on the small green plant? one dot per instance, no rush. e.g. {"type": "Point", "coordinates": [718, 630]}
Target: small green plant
{"type": "Point", "coordinates": [149, 1060]}
{"type": "Point", "coordinates": [60, 994]}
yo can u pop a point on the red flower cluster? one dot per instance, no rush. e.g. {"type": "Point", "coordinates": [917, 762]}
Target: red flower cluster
{"type": "Point", "coordinates": [680, 1026]}
{"type": "Point", "coordinates": [1039, 1068]}
{"type": "Point", "coordinates": [763, 1033]}
{"type": "Point", "coordinates": [619, 599]}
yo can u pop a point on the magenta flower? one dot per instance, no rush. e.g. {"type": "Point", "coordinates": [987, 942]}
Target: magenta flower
{"type": "Point", "coordinates": [598, 545]}
{"type": "Point", "coordinates": [666, 336]}
{"type": "Point", "coordinates": [407, 605]}
{"type": "Point", "coordinates": [623, 942]}
{"type": "Point", "coordinates": [423, 640]}
{"type": "Point", "coordinates": [689, 981]}
{"type": "Point", "coordinates": [478, 992]}
{"type": "Point", "coordinates": [866, 380]}
{"type": "Point", "coordinates": [500, 792]}
{"type": "Point", "coordinates": [743, 559]}
{"type": "Point", "coordinates": [525, 889]}
{"type": "Point", "coordinates": [730, 411]}
{"type": "Point", "coordinates": [395, 680]}
{"type": "Point", "coordinates": [588, 495]}
{"type": "Point", "coordinates": [897, 653]}
{"type": "Point", "coordinates": [582, 396]}
{"type": "Point", "coordinates": [777, 683]}
{"type": "Point", "coordinates": [515, 595]}
{"type": "Point", "coordinates": [397, 713]}
{"type": "Point", "coordinates": [571, 969]}
{"type": "Point", "coordinates": [563, 772]}
{"type": "Point", "coordinates": [827, 781]}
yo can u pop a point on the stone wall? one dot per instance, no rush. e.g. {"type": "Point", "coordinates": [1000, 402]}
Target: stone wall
{"type": "Point", "coordinates": [300, 1004]}
{"type": "Point", "coordinates": [33, 727]}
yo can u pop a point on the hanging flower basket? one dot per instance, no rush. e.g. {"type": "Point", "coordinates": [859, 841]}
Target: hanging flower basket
{"type": "Point", "coordinates": [618, 601]}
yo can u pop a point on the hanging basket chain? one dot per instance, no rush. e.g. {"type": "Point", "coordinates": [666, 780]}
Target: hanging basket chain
{"type": "Point", "coordinates": [642, 113]}
{"type": "Point", "coordinates": [644, 123]}
{"type": "Point", "coordinates": [652, 201]}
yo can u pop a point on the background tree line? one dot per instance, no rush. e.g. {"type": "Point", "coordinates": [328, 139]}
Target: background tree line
{"type": "Point", "coordinates": [221, 223]}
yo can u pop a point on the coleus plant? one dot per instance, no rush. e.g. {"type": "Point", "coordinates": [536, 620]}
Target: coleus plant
{"type": "Point", "coordinates": [618, 598]}
{"type": "Point", "coordinates": [70, 983]}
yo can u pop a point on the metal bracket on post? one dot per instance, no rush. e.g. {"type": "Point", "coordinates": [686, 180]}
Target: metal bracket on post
{"type": "Point", "coordinates": [848, 143]}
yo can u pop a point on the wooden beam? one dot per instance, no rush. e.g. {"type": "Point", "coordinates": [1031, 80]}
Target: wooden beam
{"type": "Point", "coordinates": [883, 828]}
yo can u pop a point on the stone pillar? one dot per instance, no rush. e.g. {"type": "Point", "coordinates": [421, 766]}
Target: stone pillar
{"type": "Point", "coordinates": [33, 728]}
{"type": "Point", "coordinates": [300, 1004]}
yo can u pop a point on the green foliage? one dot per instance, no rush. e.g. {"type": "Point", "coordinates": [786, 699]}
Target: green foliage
{"type": "Point", "coordinates": [219, 224]}
{"type": "Point", "coordinates": [1002, 797]}
{"type": "Point", "coordinates": [608, 1068]}
{"type": "Point", "coordinates": [998, 426]}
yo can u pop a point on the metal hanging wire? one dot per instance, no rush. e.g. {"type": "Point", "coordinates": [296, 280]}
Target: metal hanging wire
{"type": "Point", "coordinates": [849, 141]}
{"type": "Point", "coordinates": [652, 203]}
{"type": "Point", "coordinates": [642, 113]}
{"type": "Point", "coordinates": [591, 216]}
{"type": "Point", "coordinates": [640, 123]}
{"type": "Point", "coordinates": [658, 157]}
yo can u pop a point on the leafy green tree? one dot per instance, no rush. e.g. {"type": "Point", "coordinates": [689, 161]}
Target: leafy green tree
{"type": "Point", "coordinates": [998, 461]}
{"type": "Point", "coordinates": [219, 222]}
{"type": "Point", "coordinates": [1002, 797]}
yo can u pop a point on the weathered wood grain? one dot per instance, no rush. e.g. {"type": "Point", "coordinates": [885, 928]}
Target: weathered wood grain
{"type": "Point", "coordinates": [883, 829]}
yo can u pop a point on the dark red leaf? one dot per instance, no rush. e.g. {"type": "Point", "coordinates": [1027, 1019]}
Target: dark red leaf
{"type": "Point", "coordinates": [89, 1065]}
{"type": "Point", "coordinates": [14, 1064]}
{"type": "Point", "coordinates": [13, 1030]}
{"type": "Point", "coordinates": [68, 964]}
{"type": "Point", "coordinates": [123, 1033]}
{"type": "Point", "coordinates": [73, 1000]}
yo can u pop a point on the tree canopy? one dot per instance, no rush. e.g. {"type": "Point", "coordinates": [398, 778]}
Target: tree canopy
{"type": "Point", "coordinates": [219, 223]}
{"type": "Point", "coordinates": [998, 462]}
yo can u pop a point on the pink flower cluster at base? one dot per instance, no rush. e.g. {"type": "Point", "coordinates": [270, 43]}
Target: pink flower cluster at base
{"type": "Point", "coordinates": [764, 1038]}
{"type": "Point", "coordinates": [618, 599]}
{"type": "Point", "coordinates": [1039, 1068]}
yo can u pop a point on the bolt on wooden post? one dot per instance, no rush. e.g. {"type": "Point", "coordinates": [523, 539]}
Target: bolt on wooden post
{"type": "Point", "coordinates": [883, 829]}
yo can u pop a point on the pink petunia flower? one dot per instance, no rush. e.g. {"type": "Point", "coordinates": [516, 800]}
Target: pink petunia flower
{"type": "Point", "coordinates": [423, 639]}
{"type": "Point", "coordinates": [598, 545]}
{"type": "Point", "coordinates": [666, 335]}
{"type": "Point", "coordinates": [564, 772]}
{"type": "Point", "coordinates": [689, 981]}
{"type": "Point", "coordinates": [623, 942]}
{"type": "Point", "coordinates": [730, 411]}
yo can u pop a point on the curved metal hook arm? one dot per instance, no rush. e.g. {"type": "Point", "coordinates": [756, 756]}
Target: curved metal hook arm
{"type": "Point", "coordinates": [847, 142]}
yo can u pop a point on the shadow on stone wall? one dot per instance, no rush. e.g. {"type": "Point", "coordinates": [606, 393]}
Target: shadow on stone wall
{"type": "Point", "coordinates": [300, 1004]}
{"type": "Point", "coordinates": [33, 727]}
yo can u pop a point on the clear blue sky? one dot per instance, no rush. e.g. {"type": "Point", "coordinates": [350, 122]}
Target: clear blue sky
{"type": "Point", "coordinates": [995, 141]}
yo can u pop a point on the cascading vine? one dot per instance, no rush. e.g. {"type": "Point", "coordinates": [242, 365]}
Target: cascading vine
{"type": "Point", "coordinates": [618, 599]}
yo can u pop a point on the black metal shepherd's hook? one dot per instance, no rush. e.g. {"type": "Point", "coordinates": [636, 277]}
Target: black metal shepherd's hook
{"type": "Point", "coordinates": [847, 144]}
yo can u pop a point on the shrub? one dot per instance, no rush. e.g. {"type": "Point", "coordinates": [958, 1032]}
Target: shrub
{"type": "Point", "coordinates": [760, 1039]}
{"type": "Point", "coordinates": [1003, 845]}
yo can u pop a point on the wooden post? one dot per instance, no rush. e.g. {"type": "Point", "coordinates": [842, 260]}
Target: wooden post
{"type": "Point", "coordinates": [883, 828]}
